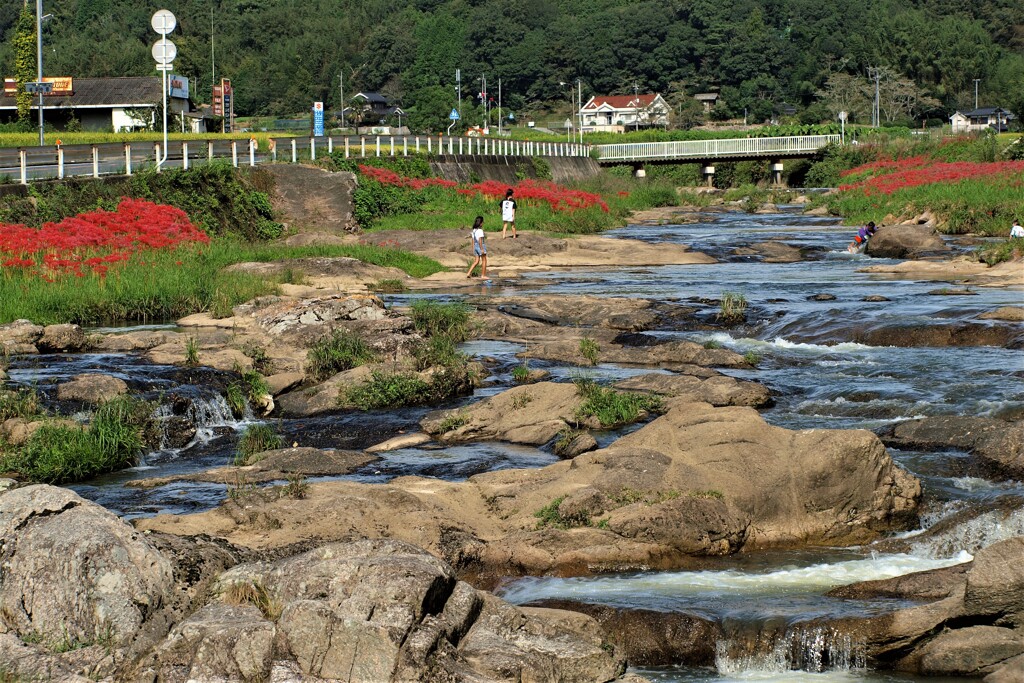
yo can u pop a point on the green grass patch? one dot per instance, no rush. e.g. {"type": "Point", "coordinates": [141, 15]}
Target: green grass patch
{"type": "Point", "coordinates": [1001, 251]}
{"type": "Point", "coordinates": [23, 403]}
{"type": "Point", "coordinates": [452, 421]}
{"type": "Point", "coordinates": [57, 454]}
{"type": "Point", "coordinates": [439, 351]}
{"type": "Point", "coordinates": [732, 307]}
{"type": "Point", "coordinates": [521, 373]}
{"type": "Point", "coordinates": [613, 408]}
{"type": "Point", "coordinates": [550, 516]}
{"type": "Point", "coordinates": [590, 350]}
{"type": "Point", "coordinates": [441, 319]}
{"type": "Point", "coordinates": [338, 351]}
{"type": "Point", "coordinates": [388, 286]}
{"type": "Point", "coordinates": [256, 439]}
{"type": "Point", "coordinates": [394, 390]}
{"type": "Point", "coordinates": [164, 285]}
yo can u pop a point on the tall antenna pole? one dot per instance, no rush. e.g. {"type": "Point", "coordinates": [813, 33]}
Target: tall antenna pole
{"type": "Point", "coordinates": [39, 63]}
{"type": "Point", "coordinates": [213, 57]}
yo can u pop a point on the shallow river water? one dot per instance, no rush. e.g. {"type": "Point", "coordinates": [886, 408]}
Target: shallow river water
{"type": "Point", "coordinates": [821, 378]}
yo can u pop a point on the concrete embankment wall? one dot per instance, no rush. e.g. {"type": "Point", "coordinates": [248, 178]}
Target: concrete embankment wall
{"type": "Point", "coordinates": [464, 168]}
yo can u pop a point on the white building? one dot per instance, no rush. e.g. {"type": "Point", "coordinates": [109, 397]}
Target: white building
{"type": "Point", "coordinates": [617, 113]}
{"type": "Point", "coordinates": [985, 118]}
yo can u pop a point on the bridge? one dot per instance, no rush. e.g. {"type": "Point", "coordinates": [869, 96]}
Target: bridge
{"type": "Point", "coordinates": [706, 152]}
{"type": "Point", "coordinates": [26, 164]}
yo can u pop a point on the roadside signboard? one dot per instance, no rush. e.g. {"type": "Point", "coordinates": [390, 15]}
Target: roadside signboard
{"type": "Point", "coordinates": [34, 87]}
{"type": "Point", "coordinates": [177, 86]}
{"type": "Point", "coordinates": [218, 100]}
{"type": "Point", "coordinates": [229, 105]}
{"type": "Point", "coordinates": [318, 119]}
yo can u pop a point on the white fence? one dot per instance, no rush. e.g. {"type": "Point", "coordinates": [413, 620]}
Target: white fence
{"type": "Point", "coordinates": [41, 163]}
{"type": "Point", "coordinates": [716, 149]}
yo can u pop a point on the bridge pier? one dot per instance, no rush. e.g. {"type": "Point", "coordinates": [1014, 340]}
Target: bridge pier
{"type": "Point", "coordinates": [776, 172]}
{"type": "Point", "coordinates": [709, 174]}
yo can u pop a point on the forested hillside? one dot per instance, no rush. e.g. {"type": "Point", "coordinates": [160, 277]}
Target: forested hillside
{"type": "Point", "coordinates": [282, 54]}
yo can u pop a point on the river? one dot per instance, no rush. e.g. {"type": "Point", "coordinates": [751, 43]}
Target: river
{"type": "Point", "coordinates": [820, 379]}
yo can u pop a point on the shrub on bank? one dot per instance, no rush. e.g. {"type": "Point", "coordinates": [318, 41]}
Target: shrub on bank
{"type": "Point", "coordinates": [218, 199]}
{"type": "Point", "coordinates": [57, 454]}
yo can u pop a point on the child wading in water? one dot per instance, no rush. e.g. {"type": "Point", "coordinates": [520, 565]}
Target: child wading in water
{"type": "Point", "coordinates": [479, 248]}
{"type": "Point", "coordinates": [862, 237]}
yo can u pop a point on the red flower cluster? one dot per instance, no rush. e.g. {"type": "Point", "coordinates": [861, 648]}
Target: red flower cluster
{"type": "Point", "coordinates": [389, 177]}
{"type": "Point", "coordinates": [97, 239]}
{"type": "Point", "coordinates": [558, 197]}
{"type": "Point", "coordinates": [912, 173]}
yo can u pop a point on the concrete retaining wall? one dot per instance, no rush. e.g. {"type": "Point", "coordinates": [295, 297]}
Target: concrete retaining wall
{"type": "Point", "coordinates": [464, 168]}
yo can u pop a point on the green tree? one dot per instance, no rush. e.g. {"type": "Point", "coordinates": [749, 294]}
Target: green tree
{"type": "Point", "coordinates": [24, 60]}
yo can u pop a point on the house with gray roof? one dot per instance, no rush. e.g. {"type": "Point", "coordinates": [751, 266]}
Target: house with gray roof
{"type": "Point", "coordinates": [119, 104]}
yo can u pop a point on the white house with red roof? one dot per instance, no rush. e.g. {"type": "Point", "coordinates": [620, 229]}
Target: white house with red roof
{"type": "Point", "coordinates": [618, 113]}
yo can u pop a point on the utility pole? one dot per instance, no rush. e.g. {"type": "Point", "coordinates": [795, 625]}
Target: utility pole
{"type": "Point", "coordinates": [499, 107]}
{"type": "Point", "coordinates": [636, 106]}
{"type": "Point", "coordinates": [458, 92]}
{"type": "Point", "coordinates": [213, 60]}
{"type": "Point", "coordinates": [579, 111]}
{"type": "Point", "coordinates": [876, 112]}
{"type": "Point", "coordinates": [976, 81]}
{"type": "Point", "coordinates": [39, 63]}
{"type": "Point", "coordinates": [341, 94]}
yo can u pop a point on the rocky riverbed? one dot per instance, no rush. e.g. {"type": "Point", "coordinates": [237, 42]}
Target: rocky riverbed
{"type": "Point", "coordinates": [363, 547]}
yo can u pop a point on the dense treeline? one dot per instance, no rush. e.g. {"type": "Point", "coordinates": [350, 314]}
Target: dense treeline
{"type": "Point", "coordinates": [282, 54]}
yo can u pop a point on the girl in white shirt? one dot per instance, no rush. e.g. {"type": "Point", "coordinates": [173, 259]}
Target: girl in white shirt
{"type": "Point", "coordinates": [479, 248]}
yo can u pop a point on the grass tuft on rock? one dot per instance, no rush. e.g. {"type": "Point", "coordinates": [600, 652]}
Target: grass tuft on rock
{"type": "Point", "coordinates": [338, 351]}
{"type": "Point", "coordinates": [256, 439]}
{"type": "Point", "coordinates": [436, 319]}
{"type": "Point", "coordinates": [613, 408]}
{"type": "Point", "coordinates": [58, 454]}
{"type": "Point", "coordinates": [23, 403]}
{"type": "Point", "coordinates": [253, 593]}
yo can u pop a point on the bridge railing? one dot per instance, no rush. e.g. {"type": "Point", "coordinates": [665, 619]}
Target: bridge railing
{"type": "Point", "coordinates": [26, 164]}
{"type": "Point", "coordinates": [715, 149]}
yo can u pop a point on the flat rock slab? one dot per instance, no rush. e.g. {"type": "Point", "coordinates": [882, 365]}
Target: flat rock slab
{"type": "Point", "coordinates": [273, 466]}
{"type": "Point", "coordinates": [669, 355]}
{"type": "Point", "coordinates": [530, 250]}
{"type": "Point", "coordinates": [718, 391]}
{"type": "Point", "coordinates": [997, 445]}
{"type": "Point", "coordinates": [1008, 313]}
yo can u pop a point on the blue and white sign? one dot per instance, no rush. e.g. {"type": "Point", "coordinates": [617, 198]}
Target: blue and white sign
{"type": "Point", "coordinates": [177, 86]}
{"type": "Point", "coordinates": [454, 116]}
{"type": "Point", "coordinates": [318, 119]}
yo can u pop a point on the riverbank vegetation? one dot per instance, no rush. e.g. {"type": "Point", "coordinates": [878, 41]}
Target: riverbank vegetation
{"type": "Point", "coordinates": [970, 184]}
{"type": "Point", "coordinates": [402, 194]}
{"type": "Point", "coordinates": [150, 247]}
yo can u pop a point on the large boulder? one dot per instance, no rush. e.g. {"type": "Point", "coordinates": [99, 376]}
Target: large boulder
{"type": "Point", "coordinates": [19, 336]}
{"type": "Point", "coordinates": [905, 241]}
{"type": "Point", "coordinates": [375, 611]}
{"type": "Point", "coordinates": [92, 388]}
{"type": "Point", "coordinates": [971, 651]}
{"type": "Point", "coordinates": [61, 338]}
{"type": "Point", "coordinates": [73, 572]}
